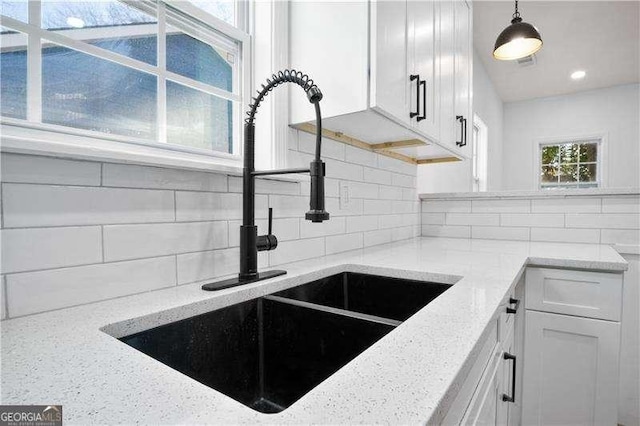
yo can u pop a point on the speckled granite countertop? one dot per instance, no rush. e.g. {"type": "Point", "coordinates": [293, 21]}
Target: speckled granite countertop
{"type": "Point", "coordinates": [70, 356]}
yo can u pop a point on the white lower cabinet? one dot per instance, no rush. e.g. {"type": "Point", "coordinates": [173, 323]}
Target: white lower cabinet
{"type": "Point", "coordinates": [572, 350]}
{"type": "Point", "coordinates": [558, 367]}
{"type": "Point", "coordinates": [571, 370]}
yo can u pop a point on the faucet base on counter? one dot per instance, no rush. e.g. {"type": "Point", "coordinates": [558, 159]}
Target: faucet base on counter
{"type": "Point", "coordinates": [232, 282]}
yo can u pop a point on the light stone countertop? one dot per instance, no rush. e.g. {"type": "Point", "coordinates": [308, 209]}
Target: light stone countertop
{"type": "Point", "coordinates": [64, 357]}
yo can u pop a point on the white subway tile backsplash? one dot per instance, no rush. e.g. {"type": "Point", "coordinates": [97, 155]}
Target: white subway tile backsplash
{"type": "Point", "coordinates": [48, 170]}
{"type": "Point", "coordinates": [377, 207]}
{"type": "Point", "coordinates": [266, 186]}
{"type": "Point", "coordinates": [203, 206]}
{"type": "Point", "coordinates": [362, 189]}
{"type": "Point", "coordinates": [43, 248]}
{"type": "Point", "coordinates": [361, 223]}
{"type": "Point", "coordinates": [372, 175]}
{"type": "Point", "coordinates": [3, 298]}
{"type": "Point", "coordinates": [405, 207]}
{"type": "Point", "coordinates": [283, 229]}
{"type": "Point", "coordinates": [341, 170]}
{"type": "Point", "coordinates": [360, 156]}
{"type": "Point", "coordinates": [620, 236]}
{"type": "Point", "coordinates": [133, 176]}
{"type": "Point", "coordinates": [390, 192]}
{"type": "Point", "coordinates": [330, 148]}
{"type": "Point", "coordinates": [146, 227]}
{"type": "Point", "coordinates": [478, 219]}
{"type": "Point", "coordinates": [446, 206]}
{"type": "Point", "coordinates": [403, 233]}
{"type": "Point", "coordinates": [566, 235]}
{"type": "Point", "coordinates": [390, 221]}
{"type": "Point", "coordinates": [501, 206]}
{"type": "Point", "coordinates": [433, 218]}
{"type": "Point", "coordinates": [566, 205]}
{"type": "Point", "coordinates": [60, 288]}
{"type": "Point", "coordinates": [27, 205]}
{"type": "Point", "coordinates": [374, 238]}
{"type": "Point", "coordinates": [499, 233]}
{"type": "Point", "coordinates": [410, 194]}
{"type": "Point", "coordinates": [397, 166]}
{"type": "Point", "coordinates": [629, 204]}
{"type": "Point", "coordinates": [209, 265]}
{"type": "Point", "coordinates": [123, 242]}
{"type": "Point", "coordinates": [288, 205]}
{"type": "Point", "coordinates": [604, 221]}
{"type": "Point", "coordinates": [355, 207]}
{"type": "Point", "coordinates": [330, 227]}
{"type": "Point", "coordinates": [403, 180]}
{"type": "Point", "coordinates": [292, 251]}
{"type": "Point", "coordinates": [550, 220]}
{"type": "Point", "coordinates": [446, 231]}
{"type": "Point", "coordinates": [340, 243]}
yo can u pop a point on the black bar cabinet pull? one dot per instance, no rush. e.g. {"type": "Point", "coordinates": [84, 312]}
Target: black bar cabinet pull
{"type": "Point", "coordinates": [270, 225]}
{"type": "Point", "coordinates": [461, 120]}
{"type": "Point", "coordinates": [423, 83]}
{"type": "Point", "coordinates": [411, 78]}
{"type": "Point", "coordinates": [506, 397]}
{"type": "Point", "coordinates": [513, 301]}
{"type": "Point", "coordinates": [464, 129]}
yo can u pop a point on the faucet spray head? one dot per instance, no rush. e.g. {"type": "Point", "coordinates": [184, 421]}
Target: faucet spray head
{"type": "Point", "coordinates": [316, 212]}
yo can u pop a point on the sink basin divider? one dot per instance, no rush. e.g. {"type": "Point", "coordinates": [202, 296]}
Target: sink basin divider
{"type": "Point", "coordinates": [336, 311]}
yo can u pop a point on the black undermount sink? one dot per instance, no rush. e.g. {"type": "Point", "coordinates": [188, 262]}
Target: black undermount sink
{"type": "Point", "coordinates": [268, 352]}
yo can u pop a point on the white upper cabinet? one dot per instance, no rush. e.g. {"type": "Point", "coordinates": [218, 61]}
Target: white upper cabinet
{"type": "Point", "coordinates": [390, 71]}
{"type": "Point", "coordinates": [423, 48]}
{"type": "Point", "coordinates": [391, 76]}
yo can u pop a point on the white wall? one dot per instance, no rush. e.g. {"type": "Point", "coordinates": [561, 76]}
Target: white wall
{"type": "Point", "coordinates": [613, 112]}
{"type": "Point", "coordinates": [457, 177]}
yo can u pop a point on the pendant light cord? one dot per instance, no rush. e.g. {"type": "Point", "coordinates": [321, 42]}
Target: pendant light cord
{"type": "Point", "coordinates": [516, 15]}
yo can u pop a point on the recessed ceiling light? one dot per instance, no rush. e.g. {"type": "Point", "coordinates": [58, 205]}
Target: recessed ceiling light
{"type": "Point", "coordinates": [74, 22]}
{"type": "Point", "coordinates": [578, 75]}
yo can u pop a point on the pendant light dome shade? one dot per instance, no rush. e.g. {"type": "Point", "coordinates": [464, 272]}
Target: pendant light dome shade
{"type": "Point", "coordinates": [518, 40]}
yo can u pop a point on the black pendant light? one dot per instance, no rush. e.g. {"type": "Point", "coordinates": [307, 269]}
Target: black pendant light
{"type": "Point", "coordinates": [518, 40]}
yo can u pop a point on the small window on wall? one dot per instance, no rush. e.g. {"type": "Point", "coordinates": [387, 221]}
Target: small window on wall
{"type": "Point", "coordinates": [570, 165]}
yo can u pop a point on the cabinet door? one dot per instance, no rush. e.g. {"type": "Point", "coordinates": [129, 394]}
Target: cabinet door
{"type": "Point", "coordinates": [463, 66]}
{"type": "Point", "coordinates": [446, 69]}
{"type": "Point", "coordinates": [422, 42]}
{"type": "Point", "coordinates": [571, 370]}
{"type": "Point", "coordinates": [389, 74]}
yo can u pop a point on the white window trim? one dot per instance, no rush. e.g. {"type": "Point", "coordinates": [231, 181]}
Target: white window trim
{"type": "Point", "coordinates": [601, 162]}
{"type": "Point", "coordinates": [31, 136]}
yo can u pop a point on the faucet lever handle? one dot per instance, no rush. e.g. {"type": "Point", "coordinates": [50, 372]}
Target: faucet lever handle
{"type": "Point", "coordinates": [269, 232]}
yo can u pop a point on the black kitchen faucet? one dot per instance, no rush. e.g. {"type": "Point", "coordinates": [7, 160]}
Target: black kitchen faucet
{"type": "Point", "coordinates": [250, 242]}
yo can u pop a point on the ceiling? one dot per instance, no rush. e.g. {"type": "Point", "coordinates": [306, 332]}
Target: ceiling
{"type": "Point", "coordinates": [599, 37]}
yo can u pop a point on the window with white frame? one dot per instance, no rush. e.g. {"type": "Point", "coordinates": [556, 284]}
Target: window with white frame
{"type": "Point", "coordinates": [168, 74]}
{"type": "Point", "coordinates": [572, 164]}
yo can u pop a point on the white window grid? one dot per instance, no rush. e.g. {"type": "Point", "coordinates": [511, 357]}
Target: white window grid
{"type": "Point", "coordinates": [189, 19]}
{"type": "Point", "coordinates": [577, 184]}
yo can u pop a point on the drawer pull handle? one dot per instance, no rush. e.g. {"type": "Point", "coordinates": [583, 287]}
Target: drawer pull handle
{"type": "Point", "coordinates": [506, 397]}
{"type": "Point", "coordinates": [513, 301]}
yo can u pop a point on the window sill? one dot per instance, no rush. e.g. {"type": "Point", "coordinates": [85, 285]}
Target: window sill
{"type": "Point", "coordinates": [31, 141]}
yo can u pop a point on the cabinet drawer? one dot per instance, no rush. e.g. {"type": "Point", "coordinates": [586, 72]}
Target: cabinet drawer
{"type": "Point", "coordinates": [487, 353]}
{"type": "Point", "coordinates": [580, 293]}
